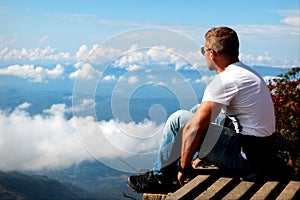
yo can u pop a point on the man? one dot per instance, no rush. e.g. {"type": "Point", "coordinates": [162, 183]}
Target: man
{"type": "Point", "coordinates": [236, 90]}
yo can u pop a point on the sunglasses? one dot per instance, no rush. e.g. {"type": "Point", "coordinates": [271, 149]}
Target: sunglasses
{"type": "Point", "coordinates": [203, 50]}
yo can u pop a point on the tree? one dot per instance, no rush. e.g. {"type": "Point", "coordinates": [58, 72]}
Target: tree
{"type": "Point", "coordinates": [285, 92]}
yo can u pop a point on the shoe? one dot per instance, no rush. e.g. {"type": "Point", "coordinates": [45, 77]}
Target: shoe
{"type": "Point", "coordinates": [254, 177]}
{"type": "Point", "coordinates": [149, 183]}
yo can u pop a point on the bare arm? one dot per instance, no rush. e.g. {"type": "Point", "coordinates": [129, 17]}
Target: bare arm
{"type": "Point", "coordinates": [194, 130]}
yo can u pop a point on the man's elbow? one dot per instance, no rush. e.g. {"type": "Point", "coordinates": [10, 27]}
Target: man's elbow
{"type": "Point", "coordinates": [190, 129]}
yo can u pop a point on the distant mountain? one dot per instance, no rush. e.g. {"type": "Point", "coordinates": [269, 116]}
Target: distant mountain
{"type": "Point", "coordinates": [269, 71]}
{"type": "Point", "coordinates": [15, 185]}
{"type": "Point", "coordinates": [95, 178]}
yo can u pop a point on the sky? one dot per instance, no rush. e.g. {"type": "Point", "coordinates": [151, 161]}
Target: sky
{"type": "Point", "coordinates": [268, 30]}
{"type": "Point", "coordinates": [84, 48]}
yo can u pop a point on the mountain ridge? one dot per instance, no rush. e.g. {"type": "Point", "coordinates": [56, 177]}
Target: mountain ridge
{"type": "Point", "coordinates": [16, 185]}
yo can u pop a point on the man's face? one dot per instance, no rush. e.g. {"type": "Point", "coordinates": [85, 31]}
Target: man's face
{"type": "Point", "coordinates": [209, 61]}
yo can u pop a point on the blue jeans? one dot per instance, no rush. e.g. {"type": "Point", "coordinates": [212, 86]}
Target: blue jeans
{"type": "Point", "coordinates": [225, 154]}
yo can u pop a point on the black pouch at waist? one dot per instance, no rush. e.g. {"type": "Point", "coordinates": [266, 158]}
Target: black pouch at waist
{"type": "Point", "coordinates": [260, 152]}
{"type": "Point", "coordinates": [249, 140]}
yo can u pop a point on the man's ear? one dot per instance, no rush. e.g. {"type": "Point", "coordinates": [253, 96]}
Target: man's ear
{"type": "Point", "coordinates": [212, 54]}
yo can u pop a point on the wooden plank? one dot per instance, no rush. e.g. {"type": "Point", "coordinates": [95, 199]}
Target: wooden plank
{"type": "Point", "coordinates": [265, 190]}
{"type": "Point", "coordinates": [184, 190]}
{"type": "Point", "coordinates": [289, 191]}
{"type": "Point", "coordinates": [239, 190]}
{"type": "Point", "coordinates": [148, 196]}
{"type": "Point", "coordinates": [214, 188]}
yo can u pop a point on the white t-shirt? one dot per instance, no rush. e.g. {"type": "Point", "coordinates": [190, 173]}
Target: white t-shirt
{"type": "Point", "coordinates": [244, 94]}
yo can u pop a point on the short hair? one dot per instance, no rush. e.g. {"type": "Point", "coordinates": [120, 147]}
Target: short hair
{"type": "Point", "coordinates": [223, 40]}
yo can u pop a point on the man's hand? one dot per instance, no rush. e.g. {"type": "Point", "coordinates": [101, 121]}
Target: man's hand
{"type": "Point", "coordinates": [181, 177]}
{"type": "Point", "coordinates": [196, 163]}
{"type": "Point", "coordinates": [195, 128]}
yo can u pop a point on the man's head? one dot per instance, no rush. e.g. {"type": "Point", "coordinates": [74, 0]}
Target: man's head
{"type": "Point", "coordinates": [223, 41]}
{"type": "Point", "coordinates": [221, 48]}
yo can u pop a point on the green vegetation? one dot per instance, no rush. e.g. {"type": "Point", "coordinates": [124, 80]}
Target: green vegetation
{"type": "Point", "coordinates": [285, 92]}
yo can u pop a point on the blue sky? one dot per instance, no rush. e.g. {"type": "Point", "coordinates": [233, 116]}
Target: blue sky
{"type": "Point", "coordinates": [47, 46]}
{"type": "Point", "coordinates": [269, 29]}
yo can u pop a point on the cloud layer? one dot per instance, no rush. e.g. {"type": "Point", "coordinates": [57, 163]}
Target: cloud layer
{"type": "Point", "coordinates": [50, 141]}
{"type": "Point", "coordinates": [91, 63]}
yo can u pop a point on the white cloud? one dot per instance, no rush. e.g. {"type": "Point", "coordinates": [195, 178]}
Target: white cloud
{"type": "Point", "coordinates": [102, 54]}
{"type": "Point", "coordinates": [85, 72]}
{"type": "Point", "coordinates": [83, 105]}
{"type": "Point", "coordinates": [57, 109]}
{"type": "Point", "coordinates": [174, 81]}
{"type": "Point", "coordinates": [86, 60]}
{"type": "Point", "coordinates": [125, 23]}
{"type": "Point", "coordinates": [141, 56]}
{"type": "Point", "coordinates": [81, 55]}
{"type": "Point", "coordinates": [260, 60]}
{"type": "Point", "coordinates": [180, 81]}
{"type": "Point", "coordinates": [38, 142]}
{"type": "Point", "coordinates": [132, 57]}
{"type": "Point", "coordinates": [160, 55]}
{"type": "Point", "coordinates": [36, 54]}
{"type": "Point", "coordinates": [267, 30]}
{"type": "Point", "coordinates": [51, 141]}
{"type": "Point", "coordinates": [4, 41]}
{"type": "Point", "coordinates": [156, 83]}
{"type": "Point", "coordinates": [23, 106]}
{"type": "Point", "coordinates": [43, 39]}
{"type": "Point", "coordinates": [152, 77]}
{"type": "Point", "coordinates": [109, 78]}
{"type": "Point", "coordinates": [264, 58]}
{"type": "Point", "coordinates": [134, 67]}
{"type": "Point", "coordinates": [294, 21]}
{"type": "Point", "coordinates": [82, 52]}
{"type": "Point", "coordinates": [3, 52]}
{"type": "Point", "coordinates": [133, 79]}
{"type": "Point", "coordinates": [205, 79]}
{"type": "Point", "coordinates": [34, 74]}
{"type": "Point", "coordinates": [56, 72]}
{"type": "Point", "coordinates": [196, 59]}
{"type": "Point", "coordinates": [122, 78]}
{"type": "Point", "coordinates": [129, 136]}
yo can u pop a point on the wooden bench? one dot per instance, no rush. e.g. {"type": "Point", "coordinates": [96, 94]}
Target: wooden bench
{"type": "Point", "coordinates": [212, 185]}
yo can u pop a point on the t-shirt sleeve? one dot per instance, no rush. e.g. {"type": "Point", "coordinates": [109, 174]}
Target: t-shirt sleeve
{"type": "Point", "coordinates": [220, 90]}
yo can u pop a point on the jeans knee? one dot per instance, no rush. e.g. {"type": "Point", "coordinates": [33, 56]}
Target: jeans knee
{"type": "Point", "coordinates": [195, 108]}
{"type": "Point", "coordinates": [178, 119]}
